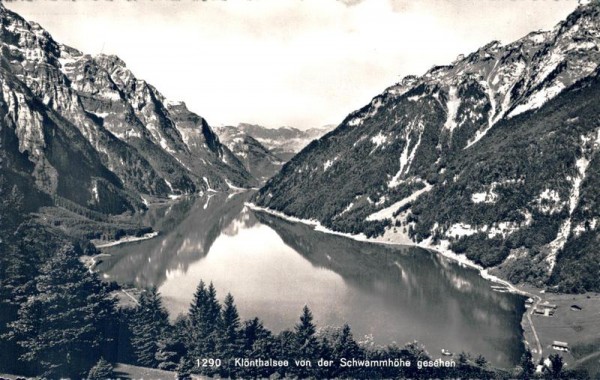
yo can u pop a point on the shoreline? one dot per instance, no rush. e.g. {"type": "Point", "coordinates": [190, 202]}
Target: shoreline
{"type": "Point", "coordinates": [528, 329]}
{"type": "Point", "coordinates": [127, 239]}
{"type": "Point", "coordinates": [436, 249]}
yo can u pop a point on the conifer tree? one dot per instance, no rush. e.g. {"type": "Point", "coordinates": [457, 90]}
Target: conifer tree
{"type": "Point", "coordinates": [103, 370]}
{"type": "Point", "coordinates": [204, 317]}
{"type": "Point", "coordinates": [344, 345]}
{"type": "Point", "coordinates": [228, 336]}
{"type": "Point", "coordinates": [213, 309]}
{"type": "Point", "coordinates": [229, 328]}
{"type": "Point", "coordinates": [527, 365]}
{"type": "Point", "coordinates": [257, 342]}
{"type": "Point", "coordinates": [149, 324]}
{"type": "Point", "coordinates": [62, 327]}
{"type": "Point", "coordinates": [197, 307]}
{"type": "Point", "coordinates": [184, 369]}
{"type": "Point", "coordinates": [481, 361]}
{"type": "Point", "coordinates": [252, 332]}
{"type": "Point", "coordinates": [169, 351]}
{"type": "Point", "coordinates": [286, 348]}
{"type": "Point", "coordinates": [306, 342]}
{"type": "Point", "coordinates": [556, 366]}
{"type": "Point", "coordinates": [305, 334]}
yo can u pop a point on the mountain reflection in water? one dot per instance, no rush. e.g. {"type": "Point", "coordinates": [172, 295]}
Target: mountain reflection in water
{"type": "Point", "coordinates": [274, 267]}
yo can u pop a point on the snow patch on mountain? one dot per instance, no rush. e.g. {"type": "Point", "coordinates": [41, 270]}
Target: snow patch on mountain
{"type": "Point", "coordinates": [538, 99]}
{"type": "Point", "coordinates": [458, 230]}
{"type": "Point", "coordinates": [95, 192]}
{"type": "Point", "coordinates": [408, 154]}
{"type": "Point", "coordinates": [492, 117]}
{"type": "Point", "coordinates": [548, 202]}
{"type": "Point", "coordinates": [452, 109]}
{"type": "Point", "coordinates": [379, 139]}
{"type": "Point", "coordinates": [388, 212]}
{"type": "Point", "coordinates": [346, 210]}
{"type": "Point", "coordinates": [488, 196]}
{"type": "Point", "coordinates": [503, 229]}
{"type": "Point", "coordinates": [581, 165]}
{"type": "Point", "coordinates": [582, 227]}
{"type": "Point", "coordinates": [416, 98]}
{"type": "Point", "coordinates": [329, 163]}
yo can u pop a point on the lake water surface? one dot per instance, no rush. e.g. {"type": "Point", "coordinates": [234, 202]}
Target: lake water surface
{"type": "Point", "coordinates": [274, 267]}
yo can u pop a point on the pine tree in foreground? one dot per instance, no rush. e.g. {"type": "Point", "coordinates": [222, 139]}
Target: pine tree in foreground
{"type": "Point", "coordinates": [184, 369]}
{"type": "Point", "coordinates": [229, 329]}
{"type": "Point", "coordinates": [228, 336]}
{"type": "Point", "coordinates": [305, 334]}
{"type": "Point", "coordinates": [204, 320]}
{"type": "Point", "coordinates": [103, 370]}
{"type": "Point", "coordinates": [556, 366]}
{"type": "Point", "coordinates": [305, 342]}
{"type": "Point", "coordinates": [62, 327]}
{"type": "Point", "coordinates": [149, 324]}
{"type": "Point", "coordinates": [526, 368]}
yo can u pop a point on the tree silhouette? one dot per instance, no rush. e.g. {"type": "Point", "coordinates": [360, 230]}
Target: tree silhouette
{"type": "Point", "coordinates": [556, 365]}
{"type": "Point", "coordinates": [527, 365]}
{"type": "Point", "coordinates": [228, 335]}
{"type": "Point", "coordinates": [63, 325]}
{"type": "Point", "coordinates": [101, 371]}
{"type": "Point", "coordinates": [149, 324]}
{"type": "Point", "coordinates": [204, 317]}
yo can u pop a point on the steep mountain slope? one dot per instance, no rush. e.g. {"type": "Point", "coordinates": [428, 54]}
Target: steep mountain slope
{"type": "Point", "coordinates": [493, 156]}
{"type": "Point", "coordinates": [257, 159]}
{"type": "Point", "coordinates": [284, 142]}
{"type": "Point", "coordinates": [41, 144]}
{"type": "Point", "coordinates": [98, 135]}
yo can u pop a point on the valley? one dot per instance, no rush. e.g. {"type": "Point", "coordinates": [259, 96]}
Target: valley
{"type": "Point", "coordinates": [267, 262]}
{"type": "Point", "coordinates": [453, 216]}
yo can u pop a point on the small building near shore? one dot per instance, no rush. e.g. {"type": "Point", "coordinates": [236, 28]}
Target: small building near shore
{"type": "Point", "coordinates": [546, 312]}
{"type": "Point", "coordinates": [548, 305]}
{"type": "Point", "coordinates": [529, 302]}
{"type": "Point", "coordinates": [560, 346]}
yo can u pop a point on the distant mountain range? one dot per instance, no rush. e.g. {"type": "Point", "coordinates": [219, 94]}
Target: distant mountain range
{"type": "Point", "coordinates": [494, 156]}
{"type": "Point", "coordinates": [86, 129]}
{"type": "Point", "coordinates": [255, 157]}
{"type": "Point", "coordinates": [264, 150]}
{"type": "Point", "coordinates": [284, 142]}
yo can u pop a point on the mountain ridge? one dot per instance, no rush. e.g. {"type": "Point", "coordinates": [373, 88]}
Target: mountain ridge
{"type": "Point", "coordinates": [421, 160]}
{"type": "Point", "coordinates": [256, 158]}
{"type": "Point", "coordinates": [95, 109]}
{"type": "Point", "coordinates": [284, 142]}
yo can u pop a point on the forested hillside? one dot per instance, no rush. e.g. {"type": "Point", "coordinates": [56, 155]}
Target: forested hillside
{"type": "Point", "coordinates": [493, 156]}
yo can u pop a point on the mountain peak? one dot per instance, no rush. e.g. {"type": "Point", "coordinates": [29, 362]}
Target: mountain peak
{"type": "Point", "coordinates": [109, 61]}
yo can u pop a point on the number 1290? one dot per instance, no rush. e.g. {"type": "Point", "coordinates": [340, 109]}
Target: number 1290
{"type": "Point", "coordinates": [208, 362]}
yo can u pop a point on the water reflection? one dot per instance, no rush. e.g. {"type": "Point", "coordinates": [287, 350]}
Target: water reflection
{"type": "Point", "coordinates": [274, 267]}
{"type": "Point", "coordinates": [187, 228]}
{"type": "Point", "coordinates": [414, 294]}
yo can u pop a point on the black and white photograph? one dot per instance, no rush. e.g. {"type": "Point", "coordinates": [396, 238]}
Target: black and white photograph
{"type": "Point", "coordinates": [299, 189]}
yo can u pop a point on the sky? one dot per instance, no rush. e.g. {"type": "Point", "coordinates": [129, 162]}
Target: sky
{"type": "Point", "coordinates": [298, 63]}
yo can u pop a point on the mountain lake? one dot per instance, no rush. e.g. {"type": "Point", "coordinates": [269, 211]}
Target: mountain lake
{"type": "Point", "coordinates": [274, 267]}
